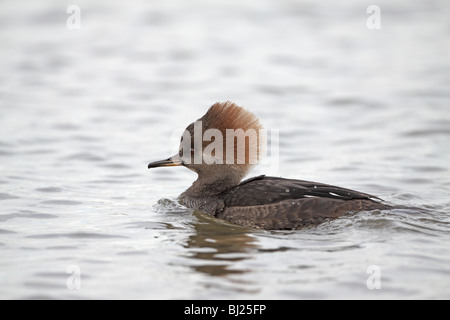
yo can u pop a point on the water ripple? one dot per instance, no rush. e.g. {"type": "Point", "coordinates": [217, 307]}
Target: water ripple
{"type": "Point", "coordinates": [84, 156]}
{"type": "Point", "coordinates": [27, 215]}
{"type": "Point", "coordinates": [49, 189]}
{"type": "Point", "coordinates": [76, 235]}
{"type": "Point", "coordinates": [62, 202]}
{"type": "Point", "coordinates": [7, 196]}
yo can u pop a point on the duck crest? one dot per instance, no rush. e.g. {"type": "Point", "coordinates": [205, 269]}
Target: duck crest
{"type": "Point", "coordinates": [240, 131]}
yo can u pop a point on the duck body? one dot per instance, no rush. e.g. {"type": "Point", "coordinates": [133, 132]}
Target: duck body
{"type": "Point", "coordinates": [281, 204]}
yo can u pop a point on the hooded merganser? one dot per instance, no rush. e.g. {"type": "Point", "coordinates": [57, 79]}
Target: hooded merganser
{"type": "Point", "coordinates": [260, 202]}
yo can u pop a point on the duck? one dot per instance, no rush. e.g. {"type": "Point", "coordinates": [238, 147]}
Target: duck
{"type": "Point", "coordinates": [222, 147]}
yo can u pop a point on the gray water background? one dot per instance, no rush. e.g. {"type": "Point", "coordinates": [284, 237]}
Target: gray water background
{"type": "Point", "coordinates": [83, 111]}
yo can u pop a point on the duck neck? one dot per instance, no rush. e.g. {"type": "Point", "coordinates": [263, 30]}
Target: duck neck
{"type": "Point", "coordinates": [206, 186]}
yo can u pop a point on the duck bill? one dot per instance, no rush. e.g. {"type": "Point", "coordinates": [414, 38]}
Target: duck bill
{"type": "Point", "coordinates": [171, 162]}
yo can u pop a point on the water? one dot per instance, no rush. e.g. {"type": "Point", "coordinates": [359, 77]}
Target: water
{"type": "Point", "coordinates": [84, 111]}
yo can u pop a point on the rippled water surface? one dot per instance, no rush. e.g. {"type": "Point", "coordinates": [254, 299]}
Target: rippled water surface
{"type": "Point", "coordinates": [84, 111]}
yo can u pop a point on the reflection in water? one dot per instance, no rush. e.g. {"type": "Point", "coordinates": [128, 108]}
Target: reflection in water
{"type": "Point", "coordinates": [217, 245]}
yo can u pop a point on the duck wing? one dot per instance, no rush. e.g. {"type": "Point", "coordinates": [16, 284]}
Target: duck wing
{"type": "Point", "coordinates": [264, 190]}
